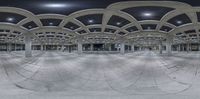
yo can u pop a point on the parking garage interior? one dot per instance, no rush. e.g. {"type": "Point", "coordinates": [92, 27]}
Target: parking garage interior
{"type": "Point", "coordinates": [93, 50]}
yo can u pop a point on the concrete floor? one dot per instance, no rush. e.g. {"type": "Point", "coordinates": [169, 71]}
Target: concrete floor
{"type": "Point", "coordinates": [139, 75]}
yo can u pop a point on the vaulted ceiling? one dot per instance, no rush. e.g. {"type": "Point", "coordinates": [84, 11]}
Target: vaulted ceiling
{"type": "Point", "coordinates": [131, 21]}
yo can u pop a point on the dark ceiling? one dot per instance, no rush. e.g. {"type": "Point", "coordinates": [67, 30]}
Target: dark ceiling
{"type": "Point", "coordinates": [40, 6]}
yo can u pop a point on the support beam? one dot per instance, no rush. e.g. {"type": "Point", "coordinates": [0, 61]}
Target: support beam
{"type": "Point", "coordinates": [28, 43]}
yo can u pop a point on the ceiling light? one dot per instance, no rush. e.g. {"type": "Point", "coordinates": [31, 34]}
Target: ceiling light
{"type": "Point", "coordinates": [147, 14]}
{"type": "Point", "coordinates": [56, 5]}
{"type": "Point", "coordinates": [90, 21]}
{"type": "Point", "coordinates": [29, 26]}
{"type": "Point", "coordinates": [71, 27]}
{"type": "Point", "coordinates": [179, 22]}
{"type": "Point", "coordinates": [118, 23]}
{"type": "Point", "coordinates": [51, 23]}
{"type": "Point", "coordinates": [10, 19]}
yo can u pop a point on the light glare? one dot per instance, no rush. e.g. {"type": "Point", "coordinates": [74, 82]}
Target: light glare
{"type": "Point", "coordinates": [147, 14]}
{"type": "Point", "coordinates": [51, 23]}
{"type": "Point", "coordinates": [91, 21]}
{"type": "Point", "coordinates": [10, 19]}
{"type": "Point", "coordinates": [179, 22]}
{"type": "Point", "coordinates": [118, 23]}
{"type": "Point", "coordinates": [56, 5]}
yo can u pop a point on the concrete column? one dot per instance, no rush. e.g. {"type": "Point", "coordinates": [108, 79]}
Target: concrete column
{"type": "Point", "coordinates": [28, 43]}
{"type": "Point", "coordinates": [133, 48]}
{"type": "Point", "coordinates": [69, 48]}
{"type": "Point", "coordinates": [122, 48]}
{"type": "Point", "coordinates": [182, 47]}
{"type": "Point", "coordinates": [109, 48]}
{"type": "Point", "coordinates": [45, 47]}
{"type": "Point", "coordinates": [9, 47]}
{"type": "Point", "coordinates": [91, 47]}
{"type": "Point", "coordinates": [188, 47]}
{"type": "Point", "coordinates": [62, 48]}
{"type": "Point", "coordinates": [169, 49]}
{"type": "Point", "coordinates": [169, 45]}
{"type": "Point", "coordinates": [80, 48]}
{"type": "Point", "coordinates": [41, 47]}
{"type": "Point", "coordinates": [179, 47]}
{"type": "Point", "coordinates": [160, 47]}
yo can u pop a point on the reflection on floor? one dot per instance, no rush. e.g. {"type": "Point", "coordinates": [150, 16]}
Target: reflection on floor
{"type": "Point", "coordinates": [139, 75]}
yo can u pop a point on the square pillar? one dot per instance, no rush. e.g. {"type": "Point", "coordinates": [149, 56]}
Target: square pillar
{"type": "Point", "coordinates": [133, 48]}
{"type": "Point", "coordinates": [28, 43]}
{"type": "Point", "coordinates": [188, 47]}
{"type": "Point", "coordinates": [122, 48]}
{"type": "Point", "coordinates": [169, 45]}
{"type": "Point", "coordinates": [182, 47]}
{"type": "Point", "coordinates": [91, 47]}
{"type": "Point", "coordinates": [109, 47]}
{"type": "Point", "coordinates": [41, 47]}
{"type": "Point", "coordinates": [160, 47]}
{"type": "Point", "coordinates": [9, 47]}
{"type": "Point", "coordinates": [63, 48]}
{"type": "Point", "coordinates": [179, 47]}
{"type": "Point", "coordinates": [80, 48]}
